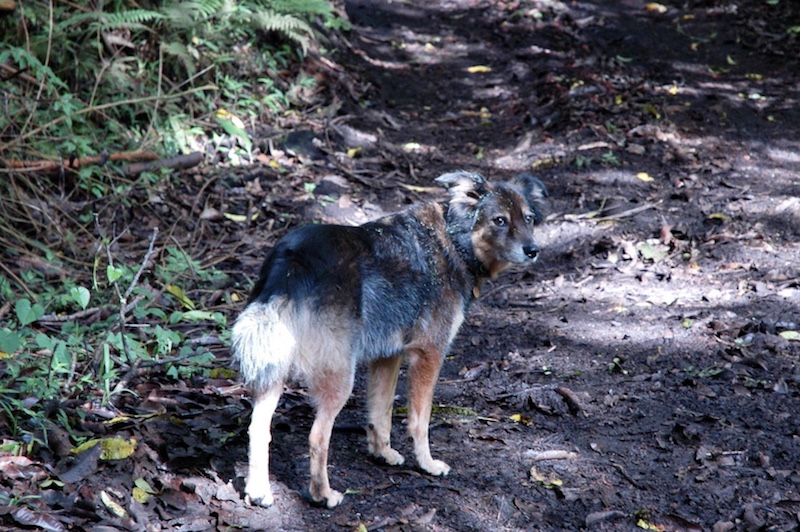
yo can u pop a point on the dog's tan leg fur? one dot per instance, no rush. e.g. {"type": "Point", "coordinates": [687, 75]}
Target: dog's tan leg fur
{"type": "Point", "coordinates": [380, 400]}
{"type": "Point", "coordinates": [257, 487]}
{"type": "Point", "coordinates": [330, 390]}
{"type": "Point", "coordinates": [424, 364]}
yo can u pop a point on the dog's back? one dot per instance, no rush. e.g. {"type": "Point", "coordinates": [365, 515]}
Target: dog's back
{"type": "Point", "coordinates": [372, 288]}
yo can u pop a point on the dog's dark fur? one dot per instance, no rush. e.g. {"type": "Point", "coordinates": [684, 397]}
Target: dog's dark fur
{"type": "Point", "coordinates": [329, 297]}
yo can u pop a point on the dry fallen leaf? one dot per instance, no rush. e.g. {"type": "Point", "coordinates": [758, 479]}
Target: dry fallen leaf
{"type": "Point", "coordinates": [790, 335]}
{"type": "Point", "coordinates": [519, 418]}
{"type": "Point", "coordinates": [113, 506]}
{"type": "Point", "coordinates": [655, 7]}
{"type": "Point", "coordinates": [178, 292]}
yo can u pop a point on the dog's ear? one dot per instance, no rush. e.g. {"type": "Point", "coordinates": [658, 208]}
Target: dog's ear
{"type": "Point", "coordinates": [534, 192]}
{"type": "Point", "coordinates": [465, 187]}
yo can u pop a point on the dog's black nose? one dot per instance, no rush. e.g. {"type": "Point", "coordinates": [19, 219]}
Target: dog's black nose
{"type": "Point", "coordinates": [532, 251]}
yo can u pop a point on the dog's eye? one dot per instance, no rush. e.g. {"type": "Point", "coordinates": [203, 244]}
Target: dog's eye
{"type": "Point", "coordinates": [529, 219]}
{"type": "Point", "coordinates": [500, 221]}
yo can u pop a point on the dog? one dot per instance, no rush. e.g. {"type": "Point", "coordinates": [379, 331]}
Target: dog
{"type": "Point", "coordinates": [329, 297]}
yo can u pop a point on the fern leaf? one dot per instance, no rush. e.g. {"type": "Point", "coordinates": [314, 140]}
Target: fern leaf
{"type": "Point", "coordinates": [296, 7]}
{"type": "Point", "coordinates": [289, 26]}
{"type": "Point", "coordinates": [180, 51]}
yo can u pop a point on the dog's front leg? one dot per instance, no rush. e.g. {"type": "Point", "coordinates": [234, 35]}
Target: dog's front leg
{"type": "Point", "coordinates": [257, 488]}
{"type": "Point", "coordinates": [380, 400]}
{"type": "Point", "coordinates": [424, 364]}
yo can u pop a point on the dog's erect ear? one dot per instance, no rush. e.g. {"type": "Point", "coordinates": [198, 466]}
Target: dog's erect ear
{"type": "Point", "coordinates": [534, 191]}
{"type": "Point", "coordinates": [465, 187]}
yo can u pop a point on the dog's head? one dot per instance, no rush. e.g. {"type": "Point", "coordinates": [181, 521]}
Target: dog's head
{"type": "Point", "coordinates": [495, 220]}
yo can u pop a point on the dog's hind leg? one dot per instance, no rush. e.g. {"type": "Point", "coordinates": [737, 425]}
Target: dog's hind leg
{"type": "Point", "coordinates": [330, 390]}
{"type": "Point", "coordinates": [380, 400]}
{"type": "Point", "coordinates": [258, 489]}
{"type": "Point", "coordinates": [424, 364]}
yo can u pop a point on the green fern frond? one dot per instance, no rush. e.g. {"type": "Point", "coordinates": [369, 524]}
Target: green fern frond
{"type": "Point", "coordinates": [289, 26]}
{"type": "Point", "coordinates": [296, 7]}
{"type": "Point", "coordinates": [201, 10]}
{"type": "Point", "coordinates": [180, 51]}
{"type": "Point", "coordinates": [135, 19]}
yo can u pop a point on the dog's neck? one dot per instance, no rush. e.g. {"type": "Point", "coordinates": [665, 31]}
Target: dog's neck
{"type": "Point", "coordinates": [459, 229]}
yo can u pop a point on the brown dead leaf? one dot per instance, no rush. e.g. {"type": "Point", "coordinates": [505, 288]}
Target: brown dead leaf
{"type": "Point", "coordinates": [85, 465]}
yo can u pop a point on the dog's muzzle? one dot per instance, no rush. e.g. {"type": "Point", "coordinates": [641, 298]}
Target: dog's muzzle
{"type": "Point", "coordinates": [532, 252]}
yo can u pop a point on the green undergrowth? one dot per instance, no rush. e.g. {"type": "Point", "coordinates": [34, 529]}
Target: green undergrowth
{"type": "Point", "coordinates": [63, 340]}
{"type": "Point", "coordinates": [86, 306]}
{"type": "Point", "coordinates": [83, 81]}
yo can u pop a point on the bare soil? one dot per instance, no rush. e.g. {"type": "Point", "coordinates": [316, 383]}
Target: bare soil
{"type": "Point", "coordinates": [643, 374]}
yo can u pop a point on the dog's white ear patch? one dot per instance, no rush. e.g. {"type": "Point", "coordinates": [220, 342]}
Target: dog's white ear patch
{"type": "Point", "coordinates": [465, 187]}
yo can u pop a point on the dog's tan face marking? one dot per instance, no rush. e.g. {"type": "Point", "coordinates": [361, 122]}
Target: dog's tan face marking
{"type": "Point", "coordinates": [503, 232]}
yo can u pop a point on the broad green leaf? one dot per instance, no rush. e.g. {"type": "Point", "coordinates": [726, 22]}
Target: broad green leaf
{"type": "Point", "coordinates": [113, 273]}
{"type": "Point", "coordinates": [27, 313]}
{"type": "Point", "coordinates": [10, 341]}
{"type": "Point", "coordinates": [80, 295]}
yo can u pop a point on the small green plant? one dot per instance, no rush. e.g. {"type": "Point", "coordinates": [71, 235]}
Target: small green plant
{"type": "Point", "coordinates": [581, 161]}
{"type": "Point", "coordinates": [609, 158]}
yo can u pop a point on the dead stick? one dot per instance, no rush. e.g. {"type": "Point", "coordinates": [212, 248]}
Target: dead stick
{"type": "Point", "coordinates": [181, 161]}
{"type": "Point", "coordinates": [52, 166]}
{"type": "Point", "coordinates": [573, 403]}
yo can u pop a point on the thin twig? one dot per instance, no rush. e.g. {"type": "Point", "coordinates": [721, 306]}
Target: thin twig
{"type": "Point", "coordinates": [143, 265]}
{"type": "Point", "coordinates": [53, 318]}
{"type": "Point", "coordinates": [19, 281]}
{"type": "Point", "coordinates": [590, 216]}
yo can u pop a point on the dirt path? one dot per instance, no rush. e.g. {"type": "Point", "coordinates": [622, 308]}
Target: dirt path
{"type": "Point", "coordinates": [646, 346]}
{"type": "Point", "coordinates": [644, 374]}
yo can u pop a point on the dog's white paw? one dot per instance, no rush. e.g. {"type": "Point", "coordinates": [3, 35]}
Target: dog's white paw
{"type": "Point", "coordinates": [334, 498]}
{"type": "Point", "coordinates": [330, 498]}
{"type": "Point", "coordinates": [389, 456]}
{"type": "Point", "coordinates": [436, 468]}
{"type": "Point", "coordinates": [258, 493]}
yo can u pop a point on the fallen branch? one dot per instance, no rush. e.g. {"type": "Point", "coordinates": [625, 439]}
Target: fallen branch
{"type": "Point", "coordinates": [181, 162]}
{"type": "Point", "coordinates": [55, 166]}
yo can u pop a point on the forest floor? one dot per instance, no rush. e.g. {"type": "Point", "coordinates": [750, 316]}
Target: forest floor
{"type": "Point", "coordinates": [645, 374]}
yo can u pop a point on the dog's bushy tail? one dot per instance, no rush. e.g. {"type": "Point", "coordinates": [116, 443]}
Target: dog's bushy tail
{"type": "Point", "coordinates": [263, 343]}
